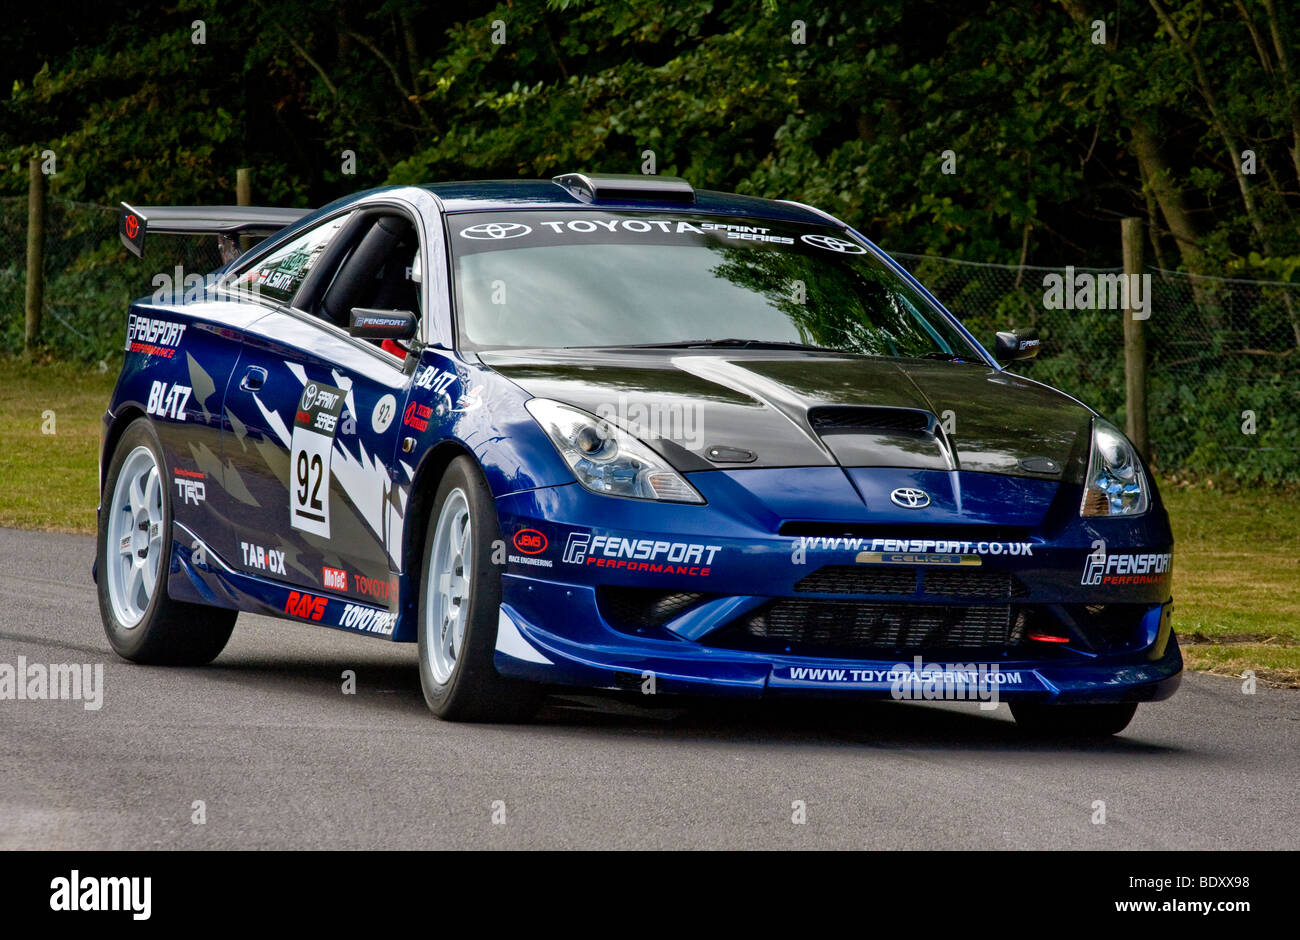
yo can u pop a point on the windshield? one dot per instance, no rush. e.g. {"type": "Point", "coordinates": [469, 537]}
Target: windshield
{"type": "Point", "coordinates": [593, 279]}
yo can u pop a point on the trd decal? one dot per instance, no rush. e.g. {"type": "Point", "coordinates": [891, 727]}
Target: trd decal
{"type": "Point", "coordinates": [190, 487]}
{"type": "Point", "coordinates": [309, 467]}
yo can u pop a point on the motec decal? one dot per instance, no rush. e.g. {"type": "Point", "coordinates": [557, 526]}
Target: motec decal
{"type": "Point", "coordinates": [335, 579]}
{"type": "Point", "coordinates": [1125, 568]}
{"type": "Point", "coordinates": [168, 401]}
{"type": "Point", "coordinates": [306, 606]}
{"type": "Point", "coordinates": [153, 337]}
{"type": "Point", "coordinates": [312, 446]}
{"type": "Point", "coordinates": [650, 555]}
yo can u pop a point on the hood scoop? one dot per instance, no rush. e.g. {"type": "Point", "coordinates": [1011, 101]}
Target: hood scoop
{"type": "Point", "coordinates": [840, 419]}
{"type": "Point", "coordinates": [877, 436]}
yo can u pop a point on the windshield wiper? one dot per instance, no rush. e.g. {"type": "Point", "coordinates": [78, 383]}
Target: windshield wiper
{"type": "Point", "coordinates": [729, 343]}
{"type": "Point", "coordinates": [945, 356]}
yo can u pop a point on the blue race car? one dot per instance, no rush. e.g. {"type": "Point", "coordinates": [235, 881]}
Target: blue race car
{"type": "Point", "coordinates": [612, 432]}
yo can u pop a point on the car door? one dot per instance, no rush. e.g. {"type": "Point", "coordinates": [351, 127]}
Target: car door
{"type": "Point", "coordinates": [312, 414]}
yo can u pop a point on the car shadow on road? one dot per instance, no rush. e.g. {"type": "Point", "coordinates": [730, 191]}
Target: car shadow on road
{"type": "Point", "coordinates": [393, 686]}
{"type": "Point", "coordinates": [853, 722]}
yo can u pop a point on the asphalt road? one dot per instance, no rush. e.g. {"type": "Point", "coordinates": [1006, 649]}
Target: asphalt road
{"type": "Point", "coordinates": [281, 757]}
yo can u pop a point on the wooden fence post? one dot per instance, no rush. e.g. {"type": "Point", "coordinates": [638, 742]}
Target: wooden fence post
{"type": "Point", "coordinates": [244, 197]}
{"type": "Point", "coordinates": [35, 252]}
{"type": "Point", "coordinates": [1135, 342]}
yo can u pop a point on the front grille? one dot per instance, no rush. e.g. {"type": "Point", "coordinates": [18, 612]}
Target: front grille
{"type": "Point", "coordinates": [855, 579]}
{"type": "Point", "coordinates": [954, 582]}
{"type": "Point", "coordinates": [986, 585]}
{"type": "Point", "coordinates": [859, 625]}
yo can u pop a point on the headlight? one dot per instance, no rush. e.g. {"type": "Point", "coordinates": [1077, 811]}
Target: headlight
{"type": "Point", "coordinates": [606, 459]}
{"type": "Point", "coordinates": [1116, 484]}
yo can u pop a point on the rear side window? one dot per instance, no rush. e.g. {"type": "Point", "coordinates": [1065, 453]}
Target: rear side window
{"type": "Point", "coordinates": [278, 275]}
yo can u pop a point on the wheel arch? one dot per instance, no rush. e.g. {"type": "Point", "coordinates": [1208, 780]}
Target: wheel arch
{"type": "Point", "coordinates": [113, 433]}
{"type": "Point", "coordinates": [424, 487]}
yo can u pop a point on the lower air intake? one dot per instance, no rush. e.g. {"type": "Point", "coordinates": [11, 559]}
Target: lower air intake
{"type": "Point", "coordinates": [848, 625]}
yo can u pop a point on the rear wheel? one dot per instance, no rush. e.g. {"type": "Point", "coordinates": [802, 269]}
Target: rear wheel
{"type": "Point", "coordinates": [460, 605]}
{"type": "Point", "coordinates": [1074, 721]}
{"type": "Point", "coordinates": [134, 548]}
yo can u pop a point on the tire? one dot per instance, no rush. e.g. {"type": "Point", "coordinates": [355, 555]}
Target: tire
{"type": "Point", "coordinates": [458, 616]}
{"type": "Point", "coordinates": [143, 624]}
{"type": "Point", "coordinates": [1074, 721]}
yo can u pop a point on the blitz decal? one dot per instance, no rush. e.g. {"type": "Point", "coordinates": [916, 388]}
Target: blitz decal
{"type": "Point", "coordinates": [309, 469]}
{"type": "Point", "coordinates": [612, 551]}
{"type": "Point", "coordinates": [168, 402]}
{"type": "Point", "coordinates": [153, 337]}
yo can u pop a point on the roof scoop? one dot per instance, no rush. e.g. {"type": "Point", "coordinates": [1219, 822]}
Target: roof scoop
{"type": "Point", "coordinates": [626, 187]}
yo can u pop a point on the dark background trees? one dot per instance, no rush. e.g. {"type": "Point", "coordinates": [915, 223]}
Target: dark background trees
{"type": "Point", "coordinates": [1056, 130]}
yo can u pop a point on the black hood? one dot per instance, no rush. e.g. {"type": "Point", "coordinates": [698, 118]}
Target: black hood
{"type": "Point", "coordinates": [708, 408]}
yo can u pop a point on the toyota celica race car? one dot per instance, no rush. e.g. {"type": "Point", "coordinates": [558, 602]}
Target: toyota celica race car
{"type": "Point", "coordinates": [612, 432]}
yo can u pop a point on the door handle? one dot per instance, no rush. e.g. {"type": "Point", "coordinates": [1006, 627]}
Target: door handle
{"type": "Point", "coordinates": [253, 379]}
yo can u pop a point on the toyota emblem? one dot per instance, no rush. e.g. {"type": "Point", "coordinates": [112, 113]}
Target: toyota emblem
{"type": "Point", "coordinates": [495, 231]}
{"type": "Point", "coordinates": [910, 498]}
{"type": "Point", "coordinates": [831, 243]}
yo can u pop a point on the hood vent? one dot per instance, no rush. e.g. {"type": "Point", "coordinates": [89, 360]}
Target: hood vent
{"type": "Point", "coordinates": [853, 419]}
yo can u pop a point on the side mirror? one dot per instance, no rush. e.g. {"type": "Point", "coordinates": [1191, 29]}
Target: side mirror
{"type": "Point", "coordinates": [1015, 345]}
{"type": "Point", "coordinates": [365, 323]}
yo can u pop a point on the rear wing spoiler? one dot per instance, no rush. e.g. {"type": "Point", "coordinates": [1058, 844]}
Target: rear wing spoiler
{"type": "Point", "coordinates": [226, 222]}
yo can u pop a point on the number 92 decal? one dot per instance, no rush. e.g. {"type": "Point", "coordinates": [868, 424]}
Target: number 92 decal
{"type": "Point", "coordinates": [313, 443]}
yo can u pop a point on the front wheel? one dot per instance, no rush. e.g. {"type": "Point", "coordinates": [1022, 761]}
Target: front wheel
{"type": "Point", "coordinates": [133, 552]}
{"type": "Point", "coordinates": [460, 605]}
{"type": "Point", "coordinates": [1074, 721]}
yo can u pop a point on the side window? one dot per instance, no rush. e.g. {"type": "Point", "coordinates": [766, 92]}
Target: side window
{"type": "Point", "coordinates": [279, 274]}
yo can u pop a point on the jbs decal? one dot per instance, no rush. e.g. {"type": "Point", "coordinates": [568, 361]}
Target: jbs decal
{"type": "Point", "coordinates": [313, 444]}
{"type": "Point", "coordinates": [367, 619]}
{"type": "Point", "coordinates": [153, 337]}
{"type": "Point", "coordinates": [306, 606]}
{"type": "Point", "coordinates": [530, 541]}
{"type": "Point", "coordinates": [270, 560]}
{"type": "Point", "coordinates": [612, 551]}
{"type": "Point", "coordinates": [168, 402]}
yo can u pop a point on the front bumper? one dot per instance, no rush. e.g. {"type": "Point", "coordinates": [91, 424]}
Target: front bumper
{"type": "Point", "coordinates": [726, 599]}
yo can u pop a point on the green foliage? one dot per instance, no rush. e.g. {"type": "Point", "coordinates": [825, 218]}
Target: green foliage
{"type": "Point", "coordinates": [856, 107]}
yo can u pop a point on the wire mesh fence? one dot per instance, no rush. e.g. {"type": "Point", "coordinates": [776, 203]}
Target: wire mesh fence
{"type": "Point", "coordinates": [89, 277]}
{"type": "Point", "coordinates": [1223, 375]}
